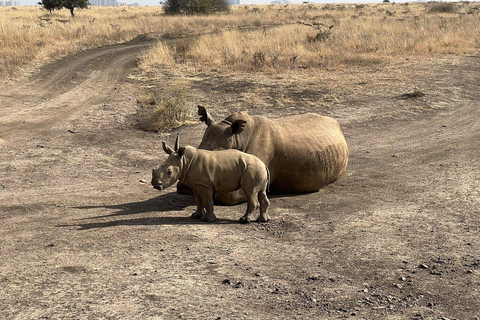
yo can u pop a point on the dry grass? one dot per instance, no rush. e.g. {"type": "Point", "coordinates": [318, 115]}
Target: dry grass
{"type": "Point", "coordinates": [362, 35]}
{"type": "Point", "coordinates": [29, 36]}
{"type": "Point", "coordinates": [164, 108]}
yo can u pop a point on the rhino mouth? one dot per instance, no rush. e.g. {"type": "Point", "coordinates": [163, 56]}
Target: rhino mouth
{"type": "Point", "coordinates": [158, 187]}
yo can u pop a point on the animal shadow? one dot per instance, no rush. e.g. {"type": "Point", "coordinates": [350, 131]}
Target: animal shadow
{"type": "Point", "coordinates": [163, 203]}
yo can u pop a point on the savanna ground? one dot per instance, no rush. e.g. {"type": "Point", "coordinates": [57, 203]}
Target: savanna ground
{"type": "Point", "coordinates": [84, 236]}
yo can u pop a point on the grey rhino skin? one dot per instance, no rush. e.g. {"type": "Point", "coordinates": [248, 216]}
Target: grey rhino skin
{"type": "Point", "coordinates": [222, 170]}
{"type": "Point", "coordinates": [303, 152]}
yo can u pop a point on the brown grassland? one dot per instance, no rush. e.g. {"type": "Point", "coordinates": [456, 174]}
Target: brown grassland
{"type": "Point", "coordinates": [271, 38]}
{"type": "Point", "coordinates": [360, 35]}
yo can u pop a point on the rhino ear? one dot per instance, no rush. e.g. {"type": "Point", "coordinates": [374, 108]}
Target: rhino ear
{"type": "Point", "coordinates": [181, 152]}
{"type": "Point", "coordinates": [167, 149]}
{"type": "Point", "coordinates": [205, 116]}
{"type": "Point", "coordinates": [177, 142]}
{"type": "Point", "coordinates": [238, 126]}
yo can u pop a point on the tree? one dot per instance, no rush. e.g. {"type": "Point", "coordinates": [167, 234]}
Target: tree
{"type": "Point", "coordinates": [195, 6]}
{"type": "Point", "coordinates": [72, 4]}
{"type": "Point", "coordinates": [51, 5]}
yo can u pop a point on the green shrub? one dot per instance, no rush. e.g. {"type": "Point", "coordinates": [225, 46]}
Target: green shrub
{"type": "Point", "coordinates": [195, 6]}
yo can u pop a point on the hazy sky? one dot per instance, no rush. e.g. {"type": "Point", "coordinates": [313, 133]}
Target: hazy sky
{"type": "Point", "coordinates": [157, 2]}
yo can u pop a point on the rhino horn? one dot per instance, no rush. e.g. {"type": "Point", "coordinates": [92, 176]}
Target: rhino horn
{"type": "Point", "coordinates": [177, 142]}
{"type": "Point", "coordinates": [205, 116]}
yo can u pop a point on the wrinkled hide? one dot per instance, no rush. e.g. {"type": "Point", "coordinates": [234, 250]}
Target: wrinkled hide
{"type": "Point", "coordinates": [222, 171]}
{"type": "Point", "coordinates": [303, 152]}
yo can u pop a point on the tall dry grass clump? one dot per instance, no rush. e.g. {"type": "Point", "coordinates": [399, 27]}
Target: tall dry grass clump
{"type": "Point", "coordinates": [159, 55]}
{"type": "Point", "coordinates": [165, 108]}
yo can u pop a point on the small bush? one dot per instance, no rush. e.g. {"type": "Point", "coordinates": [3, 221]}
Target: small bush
{"type": "Point", "coordinates": [182, 49]}
{"type": "Point", "coordinates": [159, 54]}
{"type": "Point", "coordinates": [165, 110]}
{"type": "Point", "coordinates": [442, 7]}
{"type": "Point", "coordinates": [259, 59]}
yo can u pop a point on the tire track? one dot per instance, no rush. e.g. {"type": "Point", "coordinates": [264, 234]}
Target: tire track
{"type": "Point", "coordinates": [64, 90]}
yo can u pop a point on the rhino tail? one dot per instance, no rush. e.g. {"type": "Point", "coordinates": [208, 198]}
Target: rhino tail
{"type": "Point", "coordinates": [268, 179]}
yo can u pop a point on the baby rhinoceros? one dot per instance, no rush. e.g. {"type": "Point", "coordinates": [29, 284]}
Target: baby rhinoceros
{"type": "Point", "coordinates": [207, 172]}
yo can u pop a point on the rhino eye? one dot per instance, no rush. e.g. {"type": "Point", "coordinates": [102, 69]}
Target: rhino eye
{"type": "Point", "coordinates": [169, 171]}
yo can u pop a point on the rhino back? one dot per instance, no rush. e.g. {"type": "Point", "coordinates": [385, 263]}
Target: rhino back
{"type": "Point", "coordinates": [303, 152]}
{"type": "Point", "coordinates": [220, 169]}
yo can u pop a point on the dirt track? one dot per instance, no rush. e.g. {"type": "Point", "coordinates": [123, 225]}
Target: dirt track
{"type": "Point", "coordinates": [84, 236]}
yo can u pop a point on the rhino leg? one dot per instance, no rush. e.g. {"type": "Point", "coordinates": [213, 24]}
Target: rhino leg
{"type": "Point", "coordinates": [252, 204]}
{"type": "Point", "coordinates": [231, 198]}
{"type": "Point", "coordinates": [264, 204]}
{"type": "Point", "coordinates": [197, 214]}
{"type": "Point", "coordinates": [200, 212]}
{"type": "Point", "coordinates": [207, 202]}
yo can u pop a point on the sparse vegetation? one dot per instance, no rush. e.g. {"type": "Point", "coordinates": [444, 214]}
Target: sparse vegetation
{"type": "Point", "coordinates": [302, 40]}
{"type": "Point", "coordinates": [164, 108]}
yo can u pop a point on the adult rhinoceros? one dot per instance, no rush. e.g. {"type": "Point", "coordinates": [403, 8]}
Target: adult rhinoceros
{"type": "Point", "coordinates": [303, 152]}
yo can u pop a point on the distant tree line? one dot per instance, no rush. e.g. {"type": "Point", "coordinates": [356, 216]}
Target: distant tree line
{"type": "Point", "coordinates": [52, 5]}
{"type": "Point", "coordinates": [170, 6]}
{"type": "Point", "coordinates": [195, 6]}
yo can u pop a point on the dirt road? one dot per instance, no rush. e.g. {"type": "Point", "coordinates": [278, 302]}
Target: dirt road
{"type": "Point", "coordinates": [84, 236]}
